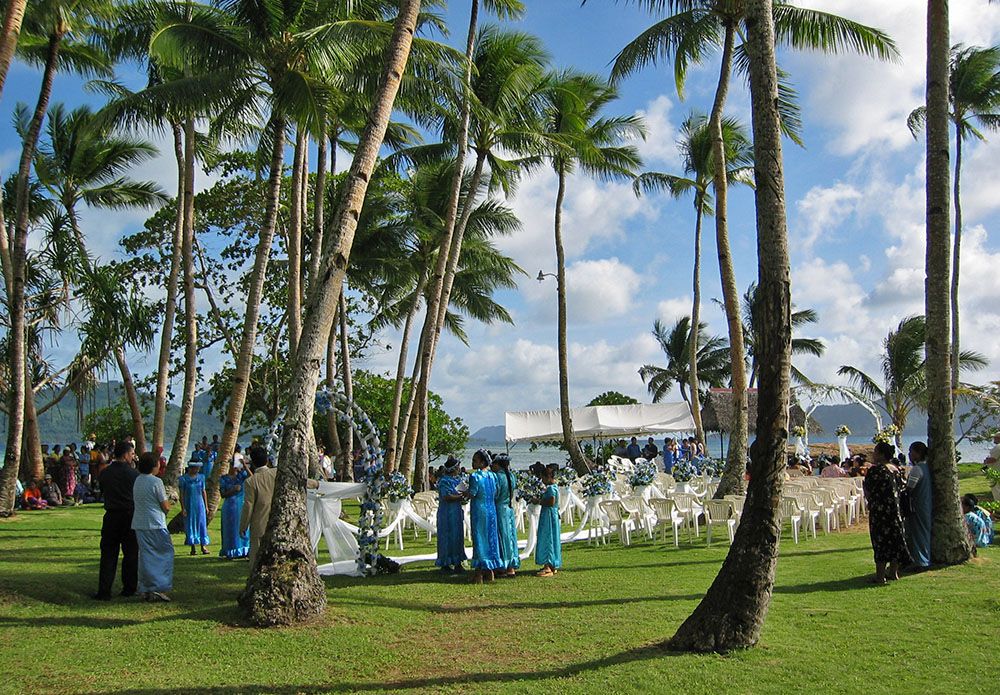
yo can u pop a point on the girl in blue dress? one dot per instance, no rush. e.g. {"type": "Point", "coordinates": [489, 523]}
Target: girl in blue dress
{"type": "Point", "coordinates": [450, 520]}
{"type": "Point", "coordinates": [485, 538]}
{"type": "Point", "coordinates": [234, 543]}
{"type": "Point", "coordinates": [193, 506]}
{"type": "Point", "coordinates": [506, 523]}
{"type": "Point", "coordinates": [548, 548]}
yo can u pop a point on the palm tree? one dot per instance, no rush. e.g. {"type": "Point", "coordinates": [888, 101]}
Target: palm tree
{"type": "Point", "coordinates": [695, 145]}
{"type": "Point", "coordinates": [285, 587]}
{"type": "Point", "coordinates": [974, 99]}
{"type": "Point", "coordinates": [904, 372]}
{"type": "Point", "coordinates": [11, 29]}
{"type": "Point", "coordinates": [732, 613]}
{"type": "Point", "coordinates": [580, 137]}
{"type": "Point", "coordinates": [693, 29]}
{"type": "Point", "coordinates": [752, 330]}
{"type": "Point", "coordinates": [712, 360]}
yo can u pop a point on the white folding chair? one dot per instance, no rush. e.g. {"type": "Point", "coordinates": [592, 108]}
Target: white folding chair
{"type": "Point", "coordinates": [809, 511]}
{"type": "Point", "coordinates": [719, 513]}
{"type": "Point", "coordinates": [738, 502]}
{"type": "Point", "coordinates": [667, 515]}
{"type": "Point", "coordinates": [684, 503]}
{"type": "Point", "coordinates": [791, 513]}
{"type": "Point", "coordinates": [615, 514]}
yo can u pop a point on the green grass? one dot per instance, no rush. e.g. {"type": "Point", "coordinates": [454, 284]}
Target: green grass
{"type": "Point", "coordinates": [590, 629]}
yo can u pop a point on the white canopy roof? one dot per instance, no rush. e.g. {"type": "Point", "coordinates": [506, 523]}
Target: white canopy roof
{"type": "Point", "coordinates": [600, 420]}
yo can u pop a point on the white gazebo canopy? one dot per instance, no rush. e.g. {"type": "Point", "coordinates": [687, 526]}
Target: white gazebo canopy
{"type": "Point", "coordinates": [600, 421]}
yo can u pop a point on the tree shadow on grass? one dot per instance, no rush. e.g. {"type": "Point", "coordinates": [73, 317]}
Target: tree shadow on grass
{"type": "Point", "coordinates": [847, 584]}
{"type": "Point", "coordinates": [645, 653]}
{"type": "Point", "coordinates": [466, 608]}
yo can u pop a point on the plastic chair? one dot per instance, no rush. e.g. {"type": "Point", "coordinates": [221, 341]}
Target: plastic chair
{"type": "Point", "coordinates": [738, 502]}
{"type": "Point", "coordinates": [809, 511]}
{"type": "Point", "coordinates": [422, 508]}
{"type": "Point", "coordinates": [666, 514]}
{"type": "Point", "coordinates": [791, 513]}
{"type": "Point", "coordinates": [615, 513]}
{"type": "Point", "coordinates": [684, 503]}
{"type": "Point", "coordinates": [637, 513]}
{"type": "Point", "coordinates": [719, 513]}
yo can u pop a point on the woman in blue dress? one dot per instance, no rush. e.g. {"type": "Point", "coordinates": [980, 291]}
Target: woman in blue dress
{"type": "Point", "coordinates": [548, 547]}
{"type": "Point", "coordinates": [193, 506]}
{"type": "Point", "coordinates": [506, 523]}
{"type": "Point", "coordinates": [450, 520]}
{"type": "Point", "coordinates": [917, 519]}
{"type": "Point", "coordinates": [234, 543]}
{"type": "Point", "coordinates": [485, 537]}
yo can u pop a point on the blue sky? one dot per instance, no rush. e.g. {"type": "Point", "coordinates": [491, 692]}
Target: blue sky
{"type": "Point", "coordinates": [855, 204]}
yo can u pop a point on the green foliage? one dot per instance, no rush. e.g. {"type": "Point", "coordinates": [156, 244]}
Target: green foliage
{"type": "Point", "coordinates": [713, 360]}
{"type": "Point", "coordinates": [612, 398]}
{"type": "Point", "coordinates": [113, 422]}
{"type": "Point", "coordinates": [982, 420]}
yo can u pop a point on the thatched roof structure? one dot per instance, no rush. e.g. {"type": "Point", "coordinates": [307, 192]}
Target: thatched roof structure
{"type": "Point", "coordinates": [717, 412]}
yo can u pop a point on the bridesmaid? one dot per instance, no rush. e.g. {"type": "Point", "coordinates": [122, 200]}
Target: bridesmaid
{"type": "Point", "coordinates": [506, 523]}
{"type": "Point", "coordinates": [548, 548]}
{"type": "Point", "coordinates": [882, 486]}
{"type": "Point", "coordinates": [193, 506]}
{"type": "Point", "coordinates": [234, 543]}
{"type": "Point", "coordinates": [450, 520]}
{"type": "Point", "coordinates": [485, 538]}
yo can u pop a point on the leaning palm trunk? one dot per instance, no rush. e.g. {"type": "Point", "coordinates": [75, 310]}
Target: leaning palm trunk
{"type": "Point", "coordinates": [408, 434]}
{"type": "Point", "coordinates": [295, 225]}
{"type": "Point", "coordinates": [178, 452]}
{"type": "Point", "coordinates": [732, 477]}
{"type": "Point", "coordinates": [569, 438]}
{"type": "Point", "coordinates": [170, 304]}
{"type": "Point", "coordinates": [397, 396]}
{"type": "Point", "coordinates": [695, 319]}
{"type": "Point", "coordinates": [949, 543]}
{"type": "Point", "coordinates": [732, 613]}
{"type": "Point", "coordinates": [16, 374]}
{"type": "Point", "coordinates": [132, 396]}
{"type": "Point", "coordinates": [319, 200]}
{"type": "Point", "coordinates": [32, 465]}
{"type": "Point", "coordinates": [285, 587]}
{"type": "Point", "coordinates": [8, 36]}
{"type": "Point", "coordinates": [345, 366]}
{"type": "Point", "coordinates": [955, 268]}
{"type": "Point", "coordinates": [244, 360]}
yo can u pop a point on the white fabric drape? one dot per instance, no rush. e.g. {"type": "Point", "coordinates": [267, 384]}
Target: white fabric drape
{"type": "Point", "coordinates": [845, 453]}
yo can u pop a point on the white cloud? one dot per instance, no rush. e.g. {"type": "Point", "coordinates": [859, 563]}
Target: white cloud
{"type": "Point", "coordinates": [824, 208]}
{"type": "Point", "coordinates": [660, 145]}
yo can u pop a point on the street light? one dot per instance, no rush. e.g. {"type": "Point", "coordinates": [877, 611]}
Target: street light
{"type": "Point", "coordinates": [541, 276]}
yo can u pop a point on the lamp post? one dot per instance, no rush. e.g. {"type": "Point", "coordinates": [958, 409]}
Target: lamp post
{"type": "Point", "coordinates": [541, 276]}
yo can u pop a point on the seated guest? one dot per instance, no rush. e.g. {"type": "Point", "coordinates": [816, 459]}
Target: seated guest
{"type": "Point", "coordinates": [82, 493]}
{"type": "Point", "coordinates": [834, 470]}
{"type": "Point", "coordinates": [32, 497]}
{"type": "Point", "coordinates": [632, 451]}
{"type": "Point", "coordinates": [978, 523]}
{"type": "Point", "coordinates": [51, 492]}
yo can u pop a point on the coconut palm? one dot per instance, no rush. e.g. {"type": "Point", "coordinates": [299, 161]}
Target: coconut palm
{"type": "Point", "coordinates": [580, 137]}
{"type": "Point", "coordinates": [752, 331]}
{"type": "Point", "coordinates": [12, 17]}
{"type": "Point", "coordinates": [974, 106]}
{"type": "Point", "coordinates": [691, 30]}
{"type": "Point", "coordinates": [712, 360]}
{"type": "Point", "coordinates": [903, 384]}
{"type": "Point", "coordinates": [695, 145]}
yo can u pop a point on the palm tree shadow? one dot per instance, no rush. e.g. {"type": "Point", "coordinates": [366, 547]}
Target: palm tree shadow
{"type": "Point", "coordinates": [465, 608]}
{"type": "Point", "coordinates": [847, 584]}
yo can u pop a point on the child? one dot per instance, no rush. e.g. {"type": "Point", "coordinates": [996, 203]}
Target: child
{"type": "Point", "coordinates": [978, 523]}
{"type": "Point", "coordinates": [193, 506]}
{"type": "Point", "coordinates": [450, 520]}
{"type": "Point", "coordinates": [548, 548]}
{"type": "Point", "coordinates": [483, 513]}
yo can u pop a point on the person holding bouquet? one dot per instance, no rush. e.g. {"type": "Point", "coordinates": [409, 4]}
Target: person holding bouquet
{"type": "Point", "coordinates": [548, 547]}
{"type": "Point", "coordinates": [450, 520]}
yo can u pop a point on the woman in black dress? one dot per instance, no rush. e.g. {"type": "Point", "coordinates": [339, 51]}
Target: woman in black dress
{"type": "Point", "coordinates": [883, 484]}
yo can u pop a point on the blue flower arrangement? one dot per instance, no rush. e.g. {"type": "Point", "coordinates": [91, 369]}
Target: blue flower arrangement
{"type": "Point", "coordinates": [398, 488]}
{"type": "Point", "coordinates": [683, 471]}
{"type": "Point", "coordinates": [642, 474]}
{"type": "Point", "coordinates": [370, 520]}
{"type": "Point", "coordinates": [528, 488]}
{"type": "Point", "coordinates": [711, 467]}
{"type": "Point", "coordinates": [597, 482]}
{"type": "Point", "coordinates": [566, 476]}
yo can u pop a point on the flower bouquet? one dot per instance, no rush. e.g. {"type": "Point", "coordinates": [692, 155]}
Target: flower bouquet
{"type": "Point", "coordinates": [843, 431]}
{"type": "Point", "coordinates": [683, 471]}
{"type": "Point", "coordinates": [886, 434]}
{"type": "Point", "coordinates": [566, 476]}
{"type": "Point", "coordinates": [711, 467]}
{"type": "Point", "coordinates": [398, 488]}
{"type": "Point", "coordinates": [597, 482]}
{"type": "Point", "coordinates": [798, 431]}
{"type": "Point", "coordinates": [643, 474]}
{"type": "Point", "coordinates": [529, 488]}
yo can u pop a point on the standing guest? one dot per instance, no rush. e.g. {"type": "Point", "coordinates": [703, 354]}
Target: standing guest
{"type": "Point", "coordinates": [51, 462]}
{"type": "Point", "coordinates": [324, 463]}
{"type": "Point", "coordinates": [358, 465]}
{"type": "Point", "coordinates": [51, 493]}
{"type": "Point", "coordinates": [32, 497]}
{"type": "Point", "coordinates": [650, 452]}
{"type": "Point", "coordinates": [918, 516]}
{"type": "Point", "coordinates": [632, 451]}
{"type": "Point", "coordinates": [994, 456]}
{"type": "Point", "coordinates": [450, 520]}
{"type": "Point", "coordinates": [91, 441]}
{"type": "Point", "coordinates": [161, 461]}
{"type": "Point", "coordinates": [258, 491]}
{"type": "Point", "coordinates": [978, 523]}
{"type": "Point", "coordinates": [215, 444]}
{"type": "Point", "coordinates": [83, 463]}
{"type": "Point", "coordinates": [483, 513]}
{"type": "Point", "coordinates": [149, 521]}
{"type": "Point", "coordinates": [234, 543]}
{"type": "Point", "coordinates": [506, 523]}
{"type": "Point", "coordinates": [621, 451]}
{"type": "Point", "coordinates": [238, 456]}
{"type": "Point", "coordinates": [883, 483]}
{"type": "Point", "coordinates": [668, 455]}
{"type": "Point", "coordinates": [67, 471]}
{"type": "Point", "coordinates": [208, 460]}
{"type": "Point", "coordinates": [117, 481]}
{"type": "Point", "coordinates": [194, 505]}
{"type": "Point", "coordinates": [548, 546]}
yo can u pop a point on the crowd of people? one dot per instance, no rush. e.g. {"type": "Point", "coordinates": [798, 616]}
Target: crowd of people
{"type": "Point", "coordinates": [490, 492]}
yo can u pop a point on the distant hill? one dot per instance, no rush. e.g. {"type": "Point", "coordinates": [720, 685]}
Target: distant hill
{"type": "Point", "coordinates": [494, 434]}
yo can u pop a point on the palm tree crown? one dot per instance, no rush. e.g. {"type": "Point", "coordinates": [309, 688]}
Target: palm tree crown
{"type": "Point", "coordinates": [713, 360]}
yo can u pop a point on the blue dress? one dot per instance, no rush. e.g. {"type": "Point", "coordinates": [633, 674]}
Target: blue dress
{"type": "Point", "coordinates": [234, 543]}
{"type": "Point", "coordinates": [195, 524]}
{"type": "Point", "coordinates": [918, 520]}
{"type": "Point", "coordinates": [548, 549]}
{"type": "Point", "coordinates": [668, 459]}
{"type": "Point", "coordinates": [485, 538]}
{"type": "Point", "coordinates": [505, 521]}
{"type": "Point", "coordinates": [450, 525]}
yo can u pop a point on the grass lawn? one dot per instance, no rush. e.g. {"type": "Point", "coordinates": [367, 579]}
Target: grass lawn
{"type": "Point", "coordinates": [590, 629]}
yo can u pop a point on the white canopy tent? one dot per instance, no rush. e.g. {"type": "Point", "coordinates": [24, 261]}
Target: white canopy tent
{"type": "Point", "coordinates": [600, 421]}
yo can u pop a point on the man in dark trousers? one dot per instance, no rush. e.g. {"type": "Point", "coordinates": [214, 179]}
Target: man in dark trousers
{"type": "Point", "coordinates": [117, 480]}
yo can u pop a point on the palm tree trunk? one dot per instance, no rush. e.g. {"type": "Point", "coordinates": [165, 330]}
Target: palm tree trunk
{"type": "Point", "coordinates": [16, 375]}
{"type": "Point", "coordinates": [345, 367]}
{"type": "Point", "coordinates": [397, 397]}
{"type": "Point", "coordinates": [295, 224]}
{"type": "Point", "coordinates": [695, 319]}
{"type": "Point", "coordinates": [170, 304]}
{"type": "Point", "coordinates": [955, 268]}
{"type": "Point", "coordinates": [331, 417]}
{"type": "Point", "coordinates": [9, 35]}
{"type": "Point", "coordinates": [732, 477]}
{"type": "Point", "coordinates": [319, 203]}
{"type": "Point", "coordinates": [284, 587]}
{"type": "Point", "coordinates": [949, 543]}
{"type": "Point", "coordinates": [132, 396]}
{"type": "Point", "coordinates": [179, 450]}
{"type": "Point", "coordinates": [732, 613]}
{"type": "Point", "coordinates": [408, 435]}
{"type": "Point", "coordinates": [32, 464]}
{"type": "Point", "coordinates": [244, 361]}
{"type": "Point", "coordinates": [569, 438]}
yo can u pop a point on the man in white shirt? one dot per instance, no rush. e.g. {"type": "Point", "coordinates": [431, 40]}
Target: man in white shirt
{"type": "Point", "coordinates": [994, 458]}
